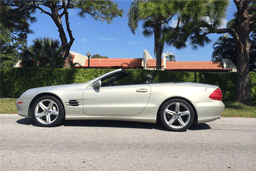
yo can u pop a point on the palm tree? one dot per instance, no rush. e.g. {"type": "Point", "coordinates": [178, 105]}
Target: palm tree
{"type": "Point", "coordinates": [225, 47]}
{"type": "Point", "coordinates": [44, 52]}
{"type": "Point", "coordinates": [169, 56]}
{"type": "Point", "coordinates": [252, 59]}
{"type": "Point", "coordinates": [156, 17]}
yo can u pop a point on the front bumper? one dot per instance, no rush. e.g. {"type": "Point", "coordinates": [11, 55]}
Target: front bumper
{"type": "Point", "coordinates": [22, 108]}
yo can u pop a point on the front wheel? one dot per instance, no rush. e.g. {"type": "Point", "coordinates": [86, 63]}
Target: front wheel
{"type": "Point", "coordinates": [176, 115]}
{"type": "Point", "coordinates": [48, 111]}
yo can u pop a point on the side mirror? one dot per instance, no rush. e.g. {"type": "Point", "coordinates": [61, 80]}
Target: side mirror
{"type": "Point", "coordinates": [97, 84]}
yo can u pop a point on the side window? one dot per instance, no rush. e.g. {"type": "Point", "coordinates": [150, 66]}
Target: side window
{"type": "Point", "coordinates": [107, 81]}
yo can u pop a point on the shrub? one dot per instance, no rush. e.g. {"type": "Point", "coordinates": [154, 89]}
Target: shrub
{"type": "Point", "coordinates": [14, 81]}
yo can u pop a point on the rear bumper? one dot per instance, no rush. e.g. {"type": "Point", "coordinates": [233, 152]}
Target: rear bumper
{"type": "Point", "coordinates": [209, 111]}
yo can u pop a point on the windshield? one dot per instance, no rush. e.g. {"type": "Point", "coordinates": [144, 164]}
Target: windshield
{"type": "Point", "coordinates": [114, 79]}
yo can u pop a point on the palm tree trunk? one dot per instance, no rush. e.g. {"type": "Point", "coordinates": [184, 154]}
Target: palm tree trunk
{"type": "Point", "coordinates": [158, 47]}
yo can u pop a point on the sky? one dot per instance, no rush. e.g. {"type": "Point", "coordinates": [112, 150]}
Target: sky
{"type": "Point", "coordinates": [115, 40]}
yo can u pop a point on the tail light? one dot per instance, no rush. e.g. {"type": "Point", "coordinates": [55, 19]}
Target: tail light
{"type": "Point", "coordinates": [216, 95]}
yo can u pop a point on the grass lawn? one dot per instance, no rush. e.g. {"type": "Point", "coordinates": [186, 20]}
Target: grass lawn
{"type": "Point", "coordinates": [7, 105]}
{"type": "Point", "coordinates": [233, 109]}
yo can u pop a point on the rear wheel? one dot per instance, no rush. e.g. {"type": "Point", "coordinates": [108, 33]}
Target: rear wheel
{"type": "Point", "coordinates": [176, 115]}
{"type": "Point", "coordinates": [48, 111]}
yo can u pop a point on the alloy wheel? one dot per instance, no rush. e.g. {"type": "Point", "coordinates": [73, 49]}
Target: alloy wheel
{"type": "Point", "coordinates": [177, 115]}
{"type": "Point", "coordinates": [46, 111]}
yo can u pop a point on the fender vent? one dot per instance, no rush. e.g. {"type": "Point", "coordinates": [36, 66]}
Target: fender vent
{"type": "Point", "coordinates": [73, 103]}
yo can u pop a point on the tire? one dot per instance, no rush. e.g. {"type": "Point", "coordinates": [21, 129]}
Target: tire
{"type": "Point", "coordinates": [176, 115]}
{"type": "Point", "coordinates": [48, 111]}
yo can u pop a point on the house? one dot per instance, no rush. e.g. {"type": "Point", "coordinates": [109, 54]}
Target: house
{"type": "Point", "coordinates": [147, 62]}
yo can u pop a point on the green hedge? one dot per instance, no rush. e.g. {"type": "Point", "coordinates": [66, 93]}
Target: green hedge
{"type": "Point", "coordinates": [15, 81]}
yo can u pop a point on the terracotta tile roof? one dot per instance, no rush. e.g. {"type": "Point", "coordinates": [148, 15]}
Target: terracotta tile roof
{"type": "Point", "coordinates": [151, 63]}
{"type": "Point", "coordinates": [193, 65]}
{"type": "Point", "coordinates": [113, 63]}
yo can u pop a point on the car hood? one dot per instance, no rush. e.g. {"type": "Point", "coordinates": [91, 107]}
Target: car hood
{"type": "Point", "coordinates": [55, 88]}
{"type": "Point", "coordinates": [64, 86]}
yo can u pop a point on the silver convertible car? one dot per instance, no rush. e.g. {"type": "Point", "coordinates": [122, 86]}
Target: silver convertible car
{"type": "Point", "coordinates": [176, 105]}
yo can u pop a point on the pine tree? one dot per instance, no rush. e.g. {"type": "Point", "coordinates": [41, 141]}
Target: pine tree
{"type": "Point", "coordinates": [104, 10]}
{"type": "Point", "coordinates": [195, 21]}
{"type": "Point", "coordinates": [14, 29]}
{"type": "Point", "coordinates": [243, 25]}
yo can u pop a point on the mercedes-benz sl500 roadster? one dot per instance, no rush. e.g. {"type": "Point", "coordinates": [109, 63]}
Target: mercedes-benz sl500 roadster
{"type": "Point", "coordinates": [175, 105]}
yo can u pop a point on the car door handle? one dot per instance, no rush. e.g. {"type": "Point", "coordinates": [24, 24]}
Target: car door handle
{"type": "Point", "coordinates": [142, 90]}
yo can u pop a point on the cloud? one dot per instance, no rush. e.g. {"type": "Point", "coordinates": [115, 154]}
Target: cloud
{"type": "Point", "coordinates": [71, 12]}
{"type": "Point", "coordinates": [222, 25]}
{"type": "Point", "coordinates": [206, 18]}
{"type": "Point", "coordinates": [84, 40]}
{"type": "Point", "coordinates": [133, 43]}
{"type": "Point", "coordinates": [174, 23]}
{"type": "Point", "coordinates": [106, 39]}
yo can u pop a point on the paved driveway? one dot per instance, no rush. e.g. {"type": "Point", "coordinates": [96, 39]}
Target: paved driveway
{"type": "Point", "coordinates": [225, 144]}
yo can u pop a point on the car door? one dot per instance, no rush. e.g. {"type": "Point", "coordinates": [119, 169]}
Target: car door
{"type": "Point", "coordinates": [116, 100]}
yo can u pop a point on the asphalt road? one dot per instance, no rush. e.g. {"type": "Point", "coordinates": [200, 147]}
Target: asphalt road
{"type": "Point", "coordinates": [225, 144]}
